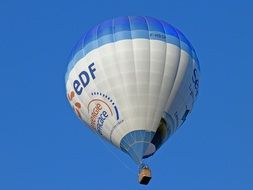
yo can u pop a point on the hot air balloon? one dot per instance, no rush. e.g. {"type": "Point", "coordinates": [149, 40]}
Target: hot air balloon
{"type": "Point", "coordinates": [133, 80]}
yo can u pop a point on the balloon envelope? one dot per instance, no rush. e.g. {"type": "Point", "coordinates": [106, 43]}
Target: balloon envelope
{"type": "Point", "coordinates": [133, 80]}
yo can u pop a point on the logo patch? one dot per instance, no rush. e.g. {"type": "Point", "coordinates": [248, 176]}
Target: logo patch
{"type": "Point", "coordinates": [76, 105]}
{"type": "Point", "coordinates": [84, 79]}
{"type": "Point", "coordinates": [100, 109]}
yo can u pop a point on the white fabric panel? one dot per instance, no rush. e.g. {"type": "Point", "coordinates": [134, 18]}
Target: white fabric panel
{"type": "Point", "coordinates": [135, 80]}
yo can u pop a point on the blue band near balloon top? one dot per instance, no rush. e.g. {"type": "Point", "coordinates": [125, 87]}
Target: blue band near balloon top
{"type": "Point", "coordinates": [133, 27]}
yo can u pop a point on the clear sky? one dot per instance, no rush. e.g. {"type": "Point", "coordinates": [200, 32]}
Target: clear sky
{"type": "Point", "coordinates": [43, 145]}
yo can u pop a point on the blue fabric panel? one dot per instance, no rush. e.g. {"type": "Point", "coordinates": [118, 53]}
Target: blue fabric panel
{"type": "Point", "coordinates": [154, 25]}
{"type": "Point", "coordinates": [105, 28]}
{"type": "Point", "coordinates": [138, 23]}
{"type": "Point", "coordinates": [121, 24]}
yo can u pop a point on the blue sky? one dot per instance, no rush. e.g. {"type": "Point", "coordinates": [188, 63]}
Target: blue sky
{"type": "Point", "coordinates": [43, 145]}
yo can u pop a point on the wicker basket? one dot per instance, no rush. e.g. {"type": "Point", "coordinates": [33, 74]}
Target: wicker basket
{"type": "Point", "coordinates": [144, 176]}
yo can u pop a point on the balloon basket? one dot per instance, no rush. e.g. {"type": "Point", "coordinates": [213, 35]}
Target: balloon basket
{"type": "Point", "coordinates": [144, 176]}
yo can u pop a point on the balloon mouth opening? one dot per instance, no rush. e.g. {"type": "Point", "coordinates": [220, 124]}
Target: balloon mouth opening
{"type": "Point", "coordinates": [145, 143]}
{"type": "Point", "coordinates": [159, 138]}
{"type": "Point", "coordinates": [151, 149]}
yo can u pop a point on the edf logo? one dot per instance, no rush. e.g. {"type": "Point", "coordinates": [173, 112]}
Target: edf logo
{"type": "Point", "coordinates": [84, 79]}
